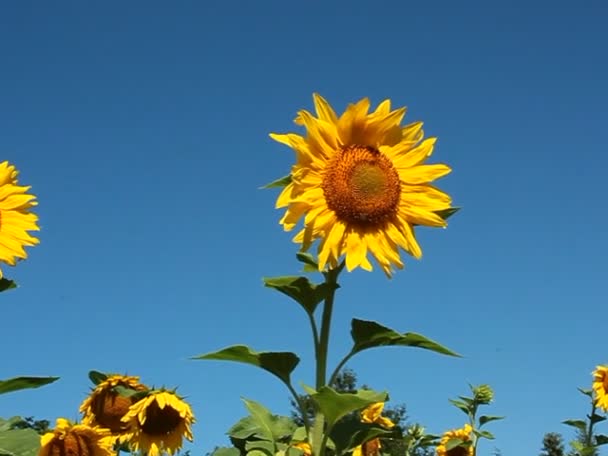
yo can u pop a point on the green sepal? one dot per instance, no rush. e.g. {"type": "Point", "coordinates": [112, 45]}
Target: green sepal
{"type": "Point", "coordinates": [280, 364]}
{"type": "Point", "coordinates": [335, 405]}
{"type": "Point", "coordinates": [483, 419]}
{"type": "Point", "coordinates": [281, 182]}
{"type": "Point", "coordinates": [455, 442]}
{"type": "Point", "coordinates": [485, 434]}
{"type": "Point", "coordinates": [310, 265]}
{"type": "Point", "coordinates": [447, 213]}
{"type": "Point", "coordinates": [307, 294]}
{"type": "Point", "coordinates": [7, 284]}
{"type": "Point", "coordinates": [131, 393]}
{"type": "Point", "coordinates": [97, 377]}
{"type": "Point", "coordinates": [19, 383]}
{"type": "Point", "coordinates": [369, 334]}
{"type": "Point", "coordinates": [578, 424]}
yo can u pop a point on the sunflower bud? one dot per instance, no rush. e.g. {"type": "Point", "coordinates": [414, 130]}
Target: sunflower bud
{"type": "Point", "coordinates": [483, 394]}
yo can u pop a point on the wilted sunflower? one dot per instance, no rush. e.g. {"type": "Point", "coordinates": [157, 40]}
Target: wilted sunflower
{"type": "Point", "coordinates": [463, 434]}
{"type": "Point", "coordinates": [361, 184]}
{"type": "Point", "coordinates": [105, 407]}
{"type": "Point", "coordinates": [76, 440]}
{"type": "Point", "coordinates": [158, 423]}
{"type": "Point", "coordinates": [600, 386]}
{"type": "Point", "coordinates": [373, 414]}
{"type": "Point", "coordinates": [15, 217]}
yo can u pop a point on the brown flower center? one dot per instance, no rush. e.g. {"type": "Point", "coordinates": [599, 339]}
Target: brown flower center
{"type": "Point", "coordinates": [458, 451]}
{"type": "Point", "coordinates": [73, 444]}
{"type": "Point", "coordinates": [109, 407]}
{"type": "Point", "coordinates": [361, 186]}
{"type": "Point", "coordinates": [161, 421]}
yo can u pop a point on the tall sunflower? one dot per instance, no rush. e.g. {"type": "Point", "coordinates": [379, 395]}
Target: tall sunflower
{"type": "Point", "coordinates": [465, 448]}
{"type": "Point", "coordinates": [16, 219]}
{"type": "Point", "coordinates": [158, 423]}
{"type": "Point", "coordinates": [361, 185]}
{"type": "Point", "coordinates": [600, 386]}
{"type": "Point", "coordinates": [75, 440]}
{"type": "Point", "coordinates": [104, 407]}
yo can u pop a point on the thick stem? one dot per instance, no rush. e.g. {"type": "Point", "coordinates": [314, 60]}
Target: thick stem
{"type": "Point", "coordinates": [589, 436]}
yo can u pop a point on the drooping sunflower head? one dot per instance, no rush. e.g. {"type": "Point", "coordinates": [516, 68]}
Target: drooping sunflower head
{"type": "Point", "coordinates": [464, 446]}
{"type": "Point", "coordinates": [76, 440]}
{"type": "Point", "coordinates": [600, 387]}
{"type": "Point", "coordinates": [361, 185]}
{"type": "Point", "coordinates": [373, 414]}
{"type": "Point", "coordinates": [158, 423]}
{"type": "Point", "coordinates": [105, 407]}
{"type": "Point", "coordinates": [16, 218]}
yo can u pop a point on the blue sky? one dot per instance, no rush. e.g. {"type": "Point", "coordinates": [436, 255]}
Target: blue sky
{"type": "Point", "coordinates": [143, 129]}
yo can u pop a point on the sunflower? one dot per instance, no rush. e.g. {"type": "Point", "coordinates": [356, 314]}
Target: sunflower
{"type": "Point", "coordinates": [373, 414]}
{"type": "Point", "coordinates": [361, 185]}
{"type": "Point", "coordinates": [304, 447]}
{"type": "Point", "coordinates": [463, 434]}
{"type": "Point", "coordinates": [600, 386]}
{"type": "Point", "coordinates": [76, 440]}
{"type": "Point", "coordinates": [158, 423]}
{"type": "Point", "coordinates": [105, 407]}
{"type": "Point", "coordinates": [15, 217]}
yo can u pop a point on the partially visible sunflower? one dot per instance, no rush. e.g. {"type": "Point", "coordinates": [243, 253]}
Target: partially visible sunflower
{"type": "Point", "coordinates": [105, 407]}
{"type": "Point", "coordinates": [463, 434]}
{"type": "Point", "coordinates": [158, 423]}
{"type": "Point", "coordinates": [16, 218]}
{"type": "Point", "coordinates": [361, 185]}
{"type": "Point", "coordinates": [76, 440]}
{"type": "Point", "coordinates": [600, 386]}
{"type": "Point", "coordinates": [304, 446]}
{"type": "Point", "coordinates": [373, 414]}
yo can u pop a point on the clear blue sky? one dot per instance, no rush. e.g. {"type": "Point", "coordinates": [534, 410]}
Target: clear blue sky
{"type": "Point", "coordinates": [143, 128]}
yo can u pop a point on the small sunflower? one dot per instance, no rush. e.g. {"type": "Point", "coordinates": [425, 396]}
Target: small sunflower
{"type": "Point", "coordinates": [76, 440]}
{"type": "Point", "coordinates": [15, 217]}
{"type": "Point", "coordinates": [463, 434]}
{"type": "Point", "coordinates": [304, 446]}
{"type": "Point", "coordinates": [361, 185]}
{"type": "Point", "coordinates": [105, 407]}
{"type": "Point", "coordinates": [600, 386]}
{"type": "Point", "coordinates": [373, 414]}
{"type": "Point", "coordinates": [158, 423]}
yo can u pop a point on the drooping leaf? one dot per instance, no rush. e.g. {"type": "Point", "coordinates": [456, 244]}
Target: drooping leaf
{"type": "Point", "coordinates": [578, 424]}
{"type": "Point", "coordinates": [280, 364]}
{"type": "Point", "coordinates": [461, 405]}
{"type": "Point", "coordinates": [601, 439]}
{"type": "Point", "coordinates": [483, 419]}
{"type": "Point", "coordinates": [19, 442]}
{"type": "Point", "coordinates": [307, 294]}
{"type": "Point", "coordinates": [280, 182]}
{"type": "Point", "coordinates": [586, 392]}
{"type": "Point", "coordinates": [335, 405]}
{"type": "Point", "coordinates": [226, 451]}
{"type": "Point", "coordinates": [486, 434]}
{"type": "Point", "coordinates": [7, 284]}
{"type": "Point", "coordinates": [369, 334]}
{"type": "Point", "coordinates": [19, 383]}
{"type": "Point", "coordinates": [97, 377]}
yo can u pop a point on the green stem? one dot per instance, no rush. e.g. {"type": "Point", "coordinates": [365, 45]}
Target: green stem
{"type": "Point", "coordinates": [339, 367]}
{"type": "Point", "coordinates": [589, 436]}
{"type": "Point", "coordinates": [300, 406]}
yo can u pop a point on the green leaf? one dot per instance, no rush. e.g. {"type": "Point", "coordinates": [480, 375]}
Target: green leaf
{"type": "Point", "coordinates": [19, 442]}
{"type": "Point", "coordinates": [300, 289]}
{"type": "Point", "coordinates": [486, 434]}
{"type": "Point", "coordinates": [7, 284]}
{"type": "Point", "coordinates": [19, 383]}
{"type": "Point", "coordinates": [369, 334]}
{"type": "Point", "coordinates": [586, 392]}
{"type": "Point", "coordinates": [461, 405]}
{"type": "Point", "coordinates": [453, 443]}
{"type": "Point", "coordinates": [601, 439]}
{"type": "Point", "coordinates": [348, 435]}
{"type": "Point", "coordinates": [578, 424]}
{"type": "Point", "coordinates": [281, 182]}
{"type": "Point", "coordinates": [447, 213]}
{"type": "Point", "coordinates": [335, 405]}
{"type": "Point", "coordinates": [271, 427]}
{"type": "Point", "coordinates": [310, 265]}
{"type": "Point", "coordinates": [266, 446]}
{"type": "Point", "coordinates": [483, 419]}
{"type": "Point", "coordinates": [280, 364]}
{"type": "Point", "coordinates": [595, 418]}
{"type": "Point", "coordinates": [226, 451]}
{"type": "Point", "coordinates": [97, 377]}
{"type": "Point", "coordinates": [244, 429]}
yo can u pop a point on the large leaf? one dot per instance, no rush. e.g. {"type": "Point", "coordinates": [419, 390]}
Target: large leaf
{"type": "Point", "coordinates": [226, 451]}
{"type": "Point", "coordinates": [19, 442]}
{"type": "Point", "coordinates": [271, 427]}
{"type": "Point", "coordinates": [19, 383]}
{"type": "Point", "coordinates": [280, 364]}
{"type": "Point", "coordinates": [347, 435]}
{"type": "Point", "coordinates": [280, 182]}
{"type": "Point", "coordinates": [245, 428]}
{"type": "Point", "coordinates": [7, 284]}
{"type": "Point", "coordinates": [335, 405]}
{"type": "Point", "coordinates": [369, 334]}
{"type": "Point", "coordinates": [300, 289]}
